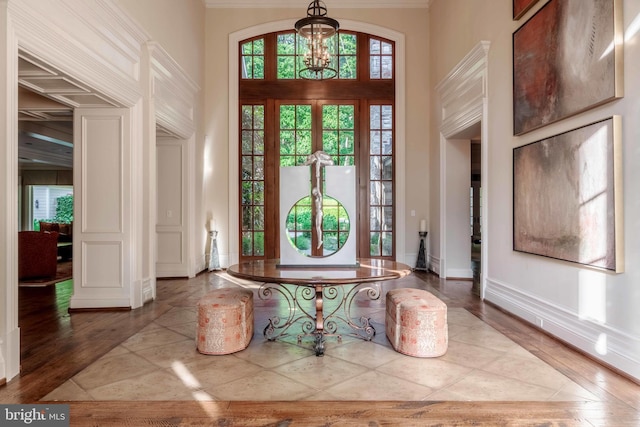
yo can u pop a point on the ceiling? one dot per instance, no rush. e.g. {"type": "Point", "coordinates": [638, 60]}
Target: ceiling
{"type": "Point", "coordinates": [46, 100]}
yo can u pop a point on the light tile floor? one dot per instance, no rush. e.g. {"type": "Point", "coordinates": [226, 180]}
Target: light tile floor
{"type": "Point", "coordinates": [161, 363]}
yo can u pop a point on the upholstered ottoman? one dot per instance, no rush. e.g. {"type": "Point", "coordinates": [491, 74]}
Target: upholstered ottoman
{"type": "Point", "coordinates": [416, 323]}
{"type": "Point", "coordinates": [225, 321]}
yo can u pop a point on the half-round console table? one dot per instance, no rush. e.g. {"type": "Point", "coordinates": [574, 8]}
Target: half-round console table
{"type": "Point", "coordinates": [339, 284]}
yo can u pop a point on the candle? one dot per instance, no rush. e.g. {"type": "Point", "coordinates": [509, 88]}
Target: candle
{"type": "Point", "coordinates": [212, 224]}
{"type": "Point", "coordinates": [423, 225]}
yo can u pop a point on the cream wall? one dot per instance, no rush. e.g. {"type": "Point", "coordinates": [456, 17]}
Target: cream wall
{"type": "Point", "coordinates": [179, 28]}
{"type": "Point", "coordinates": [410, 22]}
{"type": "Point", "coordinates": [593, 310]}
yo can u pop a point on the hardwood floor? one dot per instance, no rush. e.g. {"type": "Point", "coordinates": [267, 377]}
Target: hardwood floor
{"type": "Point", "coordinates": [57, 345]}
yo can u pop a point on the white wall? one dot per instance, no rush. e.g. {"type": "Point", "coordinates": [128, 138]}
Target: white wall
{"type": "Point", "coordinates": [591, 309]}
{"type": "Point", "coordinates": [171, 224]}
{"type": "Point", "coordinates": [458, 231]}
{"type": "Point", "coordinates": [177, 26]}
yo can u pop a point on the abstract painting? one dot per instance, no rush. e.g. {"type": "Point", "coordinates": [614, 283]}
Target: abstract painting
{"type": "Point", "coordinates": [567, 196]}
{"type": "Point", "coordinates": [520, 7]}
{"type": "Point", "coordinates": [567, 58]}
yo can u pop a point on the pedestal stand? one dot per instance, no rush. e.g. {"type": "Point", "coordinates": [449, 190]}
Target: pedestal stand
{"type": "Point", "coordinates": [214, 259]}
{"type": "Point", "coordinates": [421, 264]}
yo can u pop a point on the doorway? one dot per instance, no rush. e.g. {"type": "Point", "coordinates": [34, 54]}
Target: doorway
{"type": "Point", "coordinates": [464, 110]}
{"type": "Point", "coordinates": [475, 197]}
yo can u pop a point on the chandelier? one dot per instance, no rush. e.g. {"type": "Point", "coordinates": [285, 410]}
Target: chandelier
{"type": "Point", "coordinates": [321, 35]}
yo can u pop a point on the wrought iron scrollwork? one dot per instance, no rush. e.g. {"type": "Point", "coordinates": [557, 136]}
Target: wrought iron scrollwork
{"type": "Point", "coordinates": [300, 311]}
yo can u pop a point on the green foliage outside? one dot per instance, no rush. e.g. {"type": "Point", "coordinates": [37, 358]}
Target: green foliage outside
{"type": "Point", "coordinates": [290, 56]}
{"type": "Point", "coordinates": [253, 244]}
{"type": "Point", "coordinates": [300, 224]}
{"type": "Point", "coordinates": [64, 212]}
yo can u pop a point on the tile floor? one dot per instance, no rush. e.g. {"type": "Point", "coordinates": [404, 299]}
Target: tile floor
{"type": "Point", "coordinates": [161, 363]}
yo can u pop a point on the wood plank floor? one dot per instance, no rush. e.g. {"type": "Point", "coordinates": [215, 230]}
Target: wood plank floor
{"type": "Point", "coordinates": [57, 345]}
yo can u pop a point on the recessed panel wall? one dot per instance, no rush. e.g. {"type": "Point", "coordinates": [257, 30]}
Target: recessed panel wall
{"type": "Point", "coordinates": [102, 178]}
{"type": "Point", "coordinates": [170, 247]}
{"type": "Point", "coordinates": [171, 227]}
{"type": "Point", "coordinates": [102, 266]}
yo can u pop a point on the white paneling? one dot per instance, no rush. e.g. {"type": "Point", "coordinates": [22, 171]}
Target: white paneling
{"type": "Point", "coordinates": [170, 247]}
{"type": "Point", "coordinates": [598, 339]}
{"type": "Point", "coordinates": [102, 177]}
{"type": "Point", "coordinates": [105, 51]}
{"type": "Point", "coordinates": [458, 231]}
{"type": "Point", "coordinates": [463, 98]}
{"type": "Point", "coordinates": [171, 226]}
{"type": "Point", "coordinates": [174, 92]}
{"type": "Point", "coordinates": [103, 190]}
{"type": "Point", "coordinates": [102, 265]}
{"type": "Point", "coordinates": [170, 184]}
{"type": "Point", "coordinates": [9, 329]}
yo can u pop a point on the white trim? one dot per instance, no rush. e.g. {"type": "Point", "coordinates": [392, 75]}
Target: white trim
{"type": "Point", "coordinates": [9, 327]}
{"type": "Point", "coordinates": [331, 4]}
{"type": "Point", "coordinates": [619, 348]}
{"type": "Point", "coordinates": [400, 101]}
{"type": "Point", "coordinates": [106, 50]}
{"type": "Point", "coordinates": [460, 273]}
{"type": "Point", "coordinates": [442, 267]}
{"type": "Point", "coordinates": [174, 93]}
{"type": "Point", "coordinates": [463, 102]}
{"type": "Point", "coordinates": [434, 264]}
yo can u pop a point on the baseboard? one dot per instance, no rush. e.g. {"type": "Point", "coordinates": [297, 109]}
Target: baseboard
{"type": "Point", "coordinates": [602, 342]}
{"type": "Point", "coordinates": [167, 270]}
{"type": "Point", "coordinates": [10, 354]}
{"type": "Point", "coordinates": [147, 291]}
{"type": "Point", "coordinates": [434, 264]}
{"type": "Point", "coordinates": [459, 273]}
{"type": "Point", "coordinates": [78, 304]}
{"type": "Point", "coordinates": [95, 309]}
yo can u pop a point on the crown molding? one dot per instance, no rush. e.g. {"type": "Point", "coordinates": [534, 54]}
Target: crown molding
{"type": "Point", "coordinates": [174, 93]}
{"type": "Point", "coordinates": [96, 42]}
{"type": "Point", "coordinates": [462, 91]}
{"type": "Point", "coordinates": [331, 4]}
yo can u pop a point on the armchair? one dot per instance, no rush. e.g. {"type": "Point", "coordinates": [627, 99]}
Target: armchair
{"type": "Point", "coordinates": [37, 254]}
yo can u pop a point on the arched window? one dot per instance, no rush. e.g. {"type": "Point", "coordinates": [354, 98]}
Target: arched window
{"type": "Point", "coordinates": [283, 119]}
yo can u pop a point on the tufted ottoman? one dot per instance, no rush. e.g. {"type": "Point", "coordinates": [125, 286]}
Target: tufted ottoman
{"type": "Point", "coordinates": [416, 323]}
{"type": "Point", "coordinates": [225, 321]}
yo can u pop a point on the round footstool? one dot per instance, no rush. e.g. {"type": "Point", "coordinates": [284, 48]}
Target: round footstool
{"type": "Point", "coordinates": [416, 323]}
{"type": "Point", "coordinates": [225, 321]}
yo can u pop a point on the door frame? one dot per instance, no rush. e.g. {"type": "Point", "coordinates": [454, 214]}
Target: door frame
{"type": "Point", "coordinates": [233, 255]}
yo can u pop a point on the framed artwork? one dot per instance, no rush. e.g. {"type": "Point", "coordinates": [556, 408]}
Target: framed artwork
{"type": "Point", "coordinates": [567, 196]}
{"type": "Point", "coordinates": [520, 7]}
{"type": "Point", "coordinates": [567, 58]}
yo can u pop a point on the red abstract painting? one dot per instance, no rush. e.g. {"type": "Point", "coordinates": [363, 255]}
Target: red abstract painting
{"type": "Point", "coordinates": [565, 61]}
{"type": "Point", "coordinates": [520, 7]}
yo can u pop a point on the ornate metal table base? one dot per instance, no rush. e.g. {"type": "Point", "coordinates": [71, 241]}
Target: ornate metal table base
{"type": "Point", "coordinates": [317, 324]}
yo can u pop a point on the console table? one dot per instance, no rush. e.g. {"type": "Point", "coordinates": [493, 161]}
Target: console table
{"type": "Point", "coordinates": [317, 284]}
